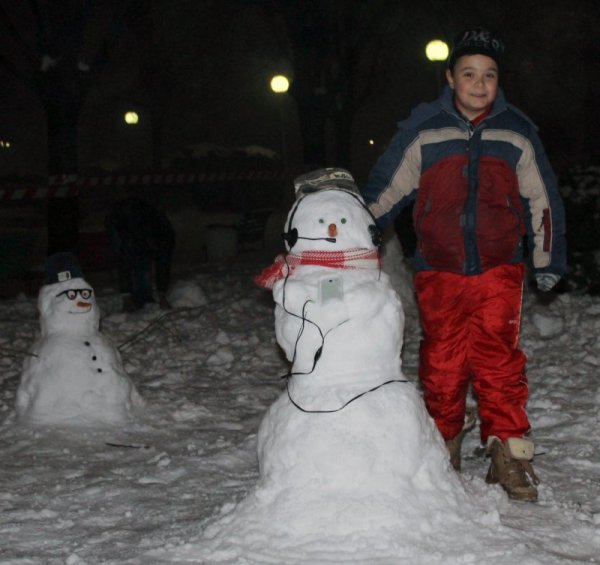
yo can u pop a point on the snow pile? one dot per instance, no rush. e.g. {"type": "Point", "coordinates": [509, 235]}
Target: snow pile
{"type": "Point", "coordinates": [73, 374]}
{"type": "Point", "coordinates": [158, 489]}
{"type": "Point", "coordinates": [182, 484]}
{"type": "Point", "coordinates": [186, 294]}
{"type": "Point", "coordinates": [548, 326]}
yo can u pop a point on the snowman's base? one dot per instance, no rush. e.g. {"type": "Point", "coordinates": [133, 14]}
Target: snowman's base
{"type": "Point", "coordinates": [61, 386]}
{"type": "Point", "coordinates": [334, 398]}
{"type": "Point", "coordinates": [381, 443]}
{"type": "Point", "coordinates": [326, 523]}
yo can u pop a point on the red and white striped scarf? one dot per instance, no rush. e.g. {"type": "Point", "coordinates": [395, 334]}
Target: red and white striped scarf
{"type": "Point", "coordinates": [356, 258]}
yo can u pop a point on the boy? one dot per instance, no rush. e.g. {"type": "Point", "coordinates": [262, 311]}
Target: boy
{"type": "Point", "coordinates": [480, 180]}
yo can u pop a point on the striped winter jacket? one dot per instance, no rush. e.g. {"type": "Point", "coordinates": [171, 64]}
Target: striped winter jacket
{"type": "Point", "coordinates": [477, 190]}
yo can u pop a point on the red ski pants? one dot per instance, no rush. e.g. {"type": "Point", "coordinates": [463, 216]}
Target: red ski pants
{"type": "Point", "coordinates": [471, 330]}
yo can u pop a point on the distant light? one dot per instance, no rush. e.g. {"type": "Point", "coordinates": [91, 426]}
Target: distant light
{"type": "Point", "coordinates": [437, 50]}
{"type": "Point", "coordinates": [280, 84]}
{"type": "Point", "coordinates": [4, 144]}
{"type": "Point", "coordinates": [371, 142]}
{"type": "Point", "coordinates": [131, 118]}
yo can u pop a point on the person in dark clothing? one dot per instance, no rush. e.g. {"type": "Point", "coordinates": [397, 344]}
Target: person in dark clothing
{"type": "Point", "coordinates": [140, 236]}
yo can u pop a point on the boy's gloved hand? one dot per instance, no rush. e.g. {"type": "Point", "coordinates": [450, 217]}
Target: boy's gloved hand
{"type": "Point", "coordinates": [546, 281]}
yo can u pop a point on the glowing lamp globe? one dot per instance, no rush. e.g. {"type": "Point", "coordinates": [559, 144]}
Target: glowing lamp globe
{"type": "Point", "coordinates": [437, 50]}
{"type": "Point", "coordinates": [280, 84]}
{"type": "Point", "coordinates": [131, 118]}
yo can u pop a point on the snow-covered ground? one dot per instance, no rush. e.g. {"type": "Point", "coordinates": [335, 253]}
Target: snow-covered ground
{"type": "Point", "coordinates": [163, 488]}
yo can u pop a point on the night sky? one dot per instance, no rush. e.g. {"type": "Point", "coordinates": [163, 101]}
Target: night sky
{"type": "Point", "coordinates": [197, 72]}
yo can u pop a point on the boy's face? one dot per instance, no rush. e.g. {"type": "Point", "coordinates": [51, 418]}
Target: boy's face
{"type": "Point", "coordinates": [474, 80]}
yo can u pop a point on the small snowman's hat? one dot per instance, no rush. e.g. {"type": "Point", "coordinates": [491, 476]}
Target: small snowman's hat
{"type": "Point", "coordinates": [325, 179]}
{"type": "Point", "coordinates": [62, 267]}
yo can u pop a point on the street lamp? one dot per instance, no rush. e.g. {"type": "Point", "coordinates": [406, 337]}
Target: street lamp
{"type": "Point", "coordinates": [280, 84]}
{"type": "Point", "coordinates": [437, 52]}
{"type": "Point", "coordinates": [5, 147]}
{"type": "Point", "coordinates": [131, 118]}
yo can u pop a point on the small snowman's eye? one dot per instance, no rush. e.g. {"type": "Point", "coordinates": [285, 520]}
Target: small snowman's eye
{"type": "Point", "coordinates": [321, 221]}
{"type": "Point", "coordinates": [343, 220]}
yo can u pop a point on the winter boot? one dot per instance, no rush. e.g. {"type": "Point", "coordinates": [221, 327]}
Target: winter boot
{"type": "Point", "coordinates": [454, 445]}
{"type": "Point", "coordinates": [511, 467]}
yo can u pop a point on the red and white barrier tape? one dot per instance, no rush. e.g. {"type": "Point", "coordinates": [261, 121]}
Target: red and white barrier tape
{"type": "Point", "coordinates": [61, 186]}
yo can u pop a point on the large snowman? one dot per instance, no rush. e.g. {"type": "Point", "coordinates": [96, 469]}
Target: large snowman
{"type": "Point", "coordinates": [348, 420]}
{"type": "Point", "coordinates": [349, 458]}
{"type": "Point", "coordinates": [74, 373]}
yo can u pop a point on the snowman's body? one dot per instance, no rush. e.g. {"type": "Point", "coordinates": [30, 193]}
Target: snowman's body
{"type": "Point", "coordinates": [74, 374]}
{"type": "Point", "coordinates": [357, 335]}
{"type": "Point", "coordinates": [349, 421]}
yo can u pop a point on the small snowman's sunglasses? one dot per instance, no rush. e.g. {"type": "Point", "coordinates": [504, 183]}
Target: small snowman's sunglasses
{"type": "Point", "coordinates": [71, 293]}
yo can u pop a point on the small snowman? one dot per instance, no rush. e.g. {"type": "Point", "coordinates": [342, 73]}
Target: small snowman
{"type": "Point", "coordinates": [74, 373]}
{"type": "Point", "coordinates": [348, 421]}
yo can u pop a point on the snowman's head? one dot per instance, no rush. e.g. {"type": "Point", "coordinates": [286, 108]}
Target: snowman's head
{"type": "Point", "coordinates": [66, 302]}
{"type": "Point", "coordinates": [334, 219]}
{"type": "Point", "coordinates": [68, 307]}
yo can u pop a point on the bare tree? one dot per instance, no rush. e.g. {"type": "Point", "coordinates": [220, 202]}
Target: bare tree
{"type": "Point", "coordinates": [332, 49]}
{"type": "Point", "coordinates": [56, 47]}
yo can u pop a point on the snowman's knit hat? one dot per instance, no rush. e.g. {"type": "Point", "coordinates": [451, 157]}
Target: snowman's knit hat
{"type": "Point", "coordinates": [325, 179]}
{"type": "Point", "coordinates": [62, 267]}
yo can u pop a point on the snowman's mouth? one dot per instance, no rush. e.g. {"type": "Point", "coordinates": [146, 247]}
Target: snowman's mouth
{"type": "Point", "coordinates": [83, 308]}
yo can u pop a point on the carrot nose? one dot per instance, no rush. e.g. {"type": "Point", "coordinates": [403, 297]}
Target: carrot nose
{"type": "Point", "coordinates": [332, 230]}
{"type": "Point", "coordinates": [82, 304]}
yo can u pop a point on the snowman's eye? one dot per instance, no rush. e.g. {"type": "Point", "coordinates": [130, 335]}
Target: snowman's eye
{"type": "Point", "coordinates": [343, 220]}
{"type": "Point", "coordinates": [71, 293]}
{"type": "Point", "coordinates": [321, 221]}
